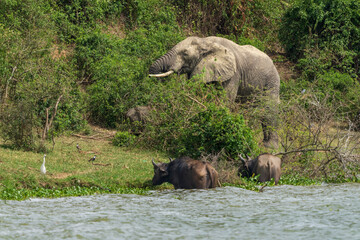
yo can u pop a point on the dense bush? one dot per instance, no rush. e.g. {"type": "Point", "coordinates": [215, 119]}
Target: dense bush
{"type": "Point", "coordinates": [344, 91]}
{"type": "Point", "coordinates": [123, 139]}
{"type": "Point", "coordinates": [339, 89]}
{"type": "Point", "coordinates": [117, 67]}
{"type": "Point", "coordinates": [47, 49]}
{"type": "Point", "coordinates": [34, 75]}
{"type": "Point", "coordinates": [215, 130]}
{"type": "Point", "coordinates": [192, 118]}
{"type": "Point", "coordinates": [317, 135]}
{"type": "Point", "coordinates": [74, 18]}
{"type": "Point", "coordinates": [41, 82]}
{"type": "Point", "coordinates": [324, 34]}
{"type": "Point", "coordinates": [255, 19]}
{"type": "Point", "coordinates": [17, 124]}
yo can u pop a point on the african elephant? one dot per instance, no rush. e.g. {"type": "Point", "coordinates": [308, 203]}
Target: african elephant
{"type": "Point", "coordinates": [241, 70]}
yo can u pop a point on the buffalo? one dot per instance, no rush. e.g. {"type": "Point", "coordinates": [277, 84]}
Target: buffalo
{"type": "Point", "coordinates": [185, 173]}
{"type": "Point", "coordinates": [266, 165]}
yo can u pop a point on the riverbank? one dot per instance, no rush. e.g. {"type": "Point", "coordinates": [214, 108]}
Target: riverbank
{"type": "Point", "coordinates": [69, 173]}
{"type": "Point", "coordinates": [115, 170]}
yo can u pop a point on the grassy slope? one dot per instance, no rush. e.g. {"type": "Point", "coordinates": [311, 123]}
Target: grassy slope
{"type": "Point", "coordinates": [115, 169]}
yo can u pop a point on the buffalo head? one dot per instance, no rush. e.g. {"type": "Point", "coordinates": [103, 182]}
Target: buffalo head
{"type": "Point", "coordinates": [161, 173]}
{"type": "Point", "coordinates": [244, 170]}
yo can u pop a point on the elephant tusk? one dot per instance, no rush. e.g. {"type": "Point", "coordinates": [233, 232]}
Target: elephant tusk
{"type": "Point", "coordinates": [162, 74]}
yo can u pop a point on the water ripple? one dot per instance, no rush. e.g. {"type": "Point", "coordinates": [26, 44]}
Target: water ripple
{"type": "Point", "coordinates": [281, 212]}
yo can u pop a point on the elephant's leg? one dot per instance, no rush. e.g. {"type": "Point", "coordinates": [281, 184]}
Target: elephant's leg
{"type": "Point", "coordinates": [271, 139]}
{"type": "Point", "coordinates": [265, 130]}
{"type": "Point", "coordinates": [270, 123]}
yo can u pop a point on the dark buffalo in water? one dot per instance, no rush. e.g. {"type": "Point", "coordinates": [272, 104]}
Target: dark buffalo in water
{"type": "Point", "coordinates": [266, 165]}
{"type": "Point", "coordinates": [185, 173]}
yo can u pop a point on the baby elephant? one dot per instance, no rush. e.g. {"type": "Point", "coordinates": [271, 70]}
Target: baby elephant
{"type": "Point", "coordinates": [266, 165]}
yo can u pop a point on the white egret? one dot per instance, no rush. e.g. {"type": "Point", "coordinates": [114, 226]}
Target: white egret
{"type": "Point", "coordinates": [43, 169]}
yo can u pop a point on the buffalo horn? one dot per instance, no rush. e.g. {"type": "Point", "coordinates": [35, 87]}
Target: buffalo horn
{"type": "Point", "coordinates": [155, 165]}
{"type": "Point", "coordinates": [242, 159]}
{"type": "Point", "coordinates": [170, 159]}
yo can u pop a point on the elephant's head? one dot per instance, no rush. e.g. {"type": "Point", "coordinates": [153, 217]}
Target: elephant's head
{"type": "Point", "coordinates": [196, 56]}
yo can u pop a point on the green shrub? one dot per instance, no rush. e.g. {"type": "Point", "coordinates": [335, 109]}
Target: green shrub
{"type": "Point", "coordinates": [215, 130]}
{"type": "Point", "coordinates": [34, 76]}
{"type": "Point", "coordinates": [344, 91]}
{"type": "Point", "coordinates": [123, 139]}
{"type": "Point", "coordinates": [256, 19]}
{"type": "Point", "coordinates": [339, 90]}
{"type": "Point", "coordinates": [118, 68]}
{"type": "Point", "coordinates": [17, 124]}
{"type": "Point", "coordinates": [327, 30]}
{"type": "Point", "coordinates": [175, 101]}
{"type": "Point", "coordinates": [41, 83]}
{"type": "Point", "coordinates": [191, 118]}
{"type": "Point", "coordinates": [73, 18]}
{"type": "Point", "coordinates": [315, 128]}
{"type": "Point", "coordinates": [114, 68]}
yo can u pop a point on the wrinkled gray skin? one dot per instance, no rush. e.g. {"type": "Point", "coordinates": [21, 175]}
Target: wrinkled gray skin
{"type": "Point", "coordinates": [185, 173]}
{"type": "Point", "coordinates": [241, 70]}
{"type": "Point", "coordinates": [138, 114]}
{"type": "Point", "coordinates": [266, 165]}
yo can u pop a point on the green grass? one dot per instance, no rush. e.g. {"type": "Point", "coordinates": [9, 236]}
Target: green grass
{"type": "Point", "coordinates": [115, 170]}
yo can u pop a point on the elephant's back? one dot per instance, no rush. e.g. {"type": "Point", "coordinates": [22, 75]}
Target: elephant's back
{"type": "Point", "coordinates": [244, 50]}
{"type": "Point", "coordinates": [249, 49]}
{"type": "Point", "coordinates": [258, 68]}
{"type": "Point", "coordinates": [255, 69]}
{"type": "Point", "coordinates": [251, 52]}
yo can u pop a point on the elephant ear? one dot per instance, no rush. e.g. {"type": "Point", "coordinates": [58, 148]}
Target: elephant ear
{"type": "Point", "coordinates": [218, 63]}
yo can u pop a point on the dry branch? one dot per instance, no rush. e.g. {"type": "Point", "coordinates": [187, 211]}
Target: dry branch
{"type": "Point", "coordinates": [318, 127]}
{"type": "Point", "coordinates": [195, 100]}
{"type": "Point", "coordinates": [7, 85]}
{"type": "Point", "coordinates": [48, 123]}
{"type": "Point", "coordinates": [305, 150]}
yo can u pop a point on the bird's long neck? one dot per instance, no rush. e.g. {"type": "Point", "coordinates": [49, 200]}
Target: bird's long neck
{"type": "Point", "coordinates": [44, 161]}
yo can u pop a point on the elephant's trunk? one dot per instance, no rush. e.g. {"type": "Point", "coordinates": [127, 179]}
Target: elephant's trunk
{"type": "Point", "coordinates": [161, 67]}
